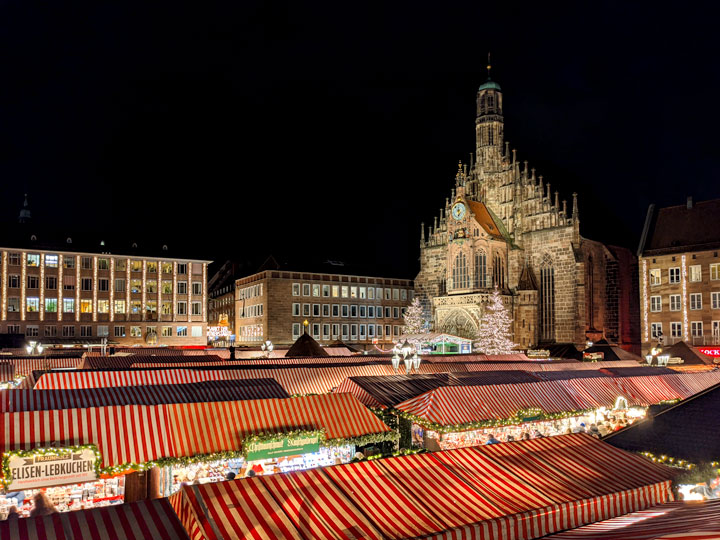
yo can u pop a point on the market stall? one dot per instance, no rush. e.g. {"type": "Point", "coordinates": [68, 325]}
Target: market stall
{"type": "Point", "coordinates": [135, 521]}
{"type": "Point", "coordinates": [186, 442]}
{"type": "Point", "coordinates": [460, 416]}
{"type": "Point", "coordinates": [520, 490]}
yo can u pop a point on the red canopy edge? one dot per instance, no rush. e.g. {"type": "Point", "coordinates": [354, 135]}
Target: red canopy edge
{"type": "Point", "coordinates": [482, 493]}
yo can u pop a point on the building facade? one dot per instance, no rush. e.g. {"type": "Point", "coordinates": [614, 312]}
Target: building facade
{"type": "Point", "coordinates": [70, 298]}
{"type": "Point", "coordinates": [504, 227]}
{"type": "Point", "coordinates": [679, 275]}
{"type": "Point", "coordinates": [274, 305]}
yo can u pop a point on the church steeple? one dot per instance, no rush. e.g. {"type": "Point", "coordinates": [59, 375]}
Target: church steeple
{"type": "Point", "coordinates": [489, 124]}
{"type": "Point", "coordinates": [25, 216]}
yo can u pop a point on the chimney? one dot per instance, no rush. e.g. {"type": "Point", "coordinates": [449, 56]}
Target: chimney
{"type": "Point", "coordinates": [689, 203]}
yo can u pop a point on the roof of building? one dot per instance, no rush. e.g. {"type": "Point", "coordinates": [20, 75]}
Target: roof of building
{"type": "Point", "coordinates": [689, 354]}
{"type": "Point", "coordinates": [611, 351]}
{"type": "Point", "coordinates": [305, 345]}
{"type": "Point", "coordinates": [485, 219]}
{"type": "Point", "coordinates": [682, 431]}
{"type": "Point", "coordinates": [688, 227]}
{"type": "Point", "coordinates": [527, 281]}
{"type": "Point", "coordinates": [332, 266]}
{"type": "Point", "coordinates": [489, 85]}
{"type": "Point", "coordinates": [92, 240]}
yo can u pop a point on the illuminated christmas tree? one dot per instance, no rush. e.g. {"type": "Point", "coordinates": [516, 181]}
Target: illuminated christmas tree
{"type": "Point", "coordinates": [494, 333]}
{"type": "Point", "coordinates": [415, 323]}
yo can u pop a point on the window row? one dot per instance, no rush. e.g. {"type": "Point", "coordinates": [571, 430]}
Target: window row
{"type": "Point", "coordinates": [103, 284]}
{"type": "Point", "coordinates": [103, 331]}
{"type": "Point", "coordinates": [675, 304]}
{"type": "Point", "coordinates": [86, 263]}
{"type": "Point", "coordinates": [694, 274]}
{"type": "Point", "coordinates": [350, 291]}
{"type": "Point", "coordinates": [252, 311]}
{"type": "Point", "coordinates": [352, 332]}
{"type": "Point", "coordinates": [69, 305]}
{"type": "Point", "coordinates": [346, 310]}
{"type": "Point", "coordinates": [252, 291]}
{"type": "Point", "coordinates": [696, 329]}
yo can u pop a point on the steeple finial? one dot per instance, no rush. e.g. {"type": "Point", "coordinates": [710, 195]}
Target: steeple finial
{"type": "Point", "coordinates": [25, 216]}
{"type": "Point", "coordinates": [489, 66]}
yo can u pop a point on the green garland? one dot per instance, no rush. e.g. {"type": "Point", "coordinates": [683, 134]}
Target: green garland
{"type": "Point", "coordinates": [266, 437]}
{"type": "Point", "coordinates": [520, 417]}
{"type": "Point", "coordinates": [7, 476]}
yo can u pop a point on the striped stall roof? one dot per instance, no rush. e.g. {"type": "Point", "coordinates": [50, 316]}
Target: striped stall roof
{"type": "Point", "coordinates": [133, 360]}
{"type": "Point", "coordinates": [466, 404]}
{"type": "Point", "coordinates": [25, 366]}
{"type": "Point", "coordinates": [133, 521]}
{"type": "Point", "coordinates": [647, 390]}
{"type": "Point", "coordinates": [595, 392]}
{"type": "Point", "coordinates": [481, 493]}
{"type": "Point", "coordinates": [142, 433]}
{"type": "Point", "coordinates": [7, 371]}
{"type": "Point", "coordinates": [231, 390]}
{"type": "Point", "coordinates": [203, 428]}
{"type": "Point", "coordinates": [670, 521]}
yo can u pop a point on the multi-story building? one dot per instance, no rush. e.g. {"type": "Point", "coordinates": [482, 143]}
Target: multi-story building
{"type": "Point", "coordinates": [221, 296]}
{"type": "Point", "coordinates": [680, 274]}
{"type": "Point", "coordinates": [503, 226]}
{"type": "Point", "coordinates": [65, 293]}
{"type": "Point", "coordinates": [275, 305]}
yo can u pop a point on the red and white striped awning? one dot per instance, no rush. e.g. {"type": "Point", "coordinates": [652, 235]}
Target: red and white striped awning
{"type": "Point", "coordinates": [134, 521]}
{"type": "Point", "coordinates": [451, 405]}
{"type": "Point", "coordinates": [231, 390]}
{"type": "Point", "coordinates": [648, 390]}
{"type": "Point", "coordinates": [670, 521]}
{"type": "Point", "coordinates": [25, 366]}
{"type": "Point", "coordinates": [142, 433]}
{"type": "Point", "coordinates": [203, 428]}
{"type": "Point", "coordinates": [481, 493]}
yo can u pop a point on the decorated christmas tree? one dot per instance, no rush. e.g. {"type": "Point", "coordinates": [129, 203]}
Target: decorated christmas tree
{"type": "Point", "coordinates": [414, 321]}
{"type": "Point", "coordinates": [494, 333]}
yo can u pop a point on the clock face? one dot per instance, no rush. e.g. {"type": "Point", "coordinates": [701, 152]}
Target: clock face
{"type": "Point", "coordinates": [458, 211]}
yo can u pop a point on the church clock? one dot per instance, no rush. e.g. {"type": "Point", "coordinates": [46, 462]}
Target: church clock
{"type": "Point", "coordinates": [458, 211]}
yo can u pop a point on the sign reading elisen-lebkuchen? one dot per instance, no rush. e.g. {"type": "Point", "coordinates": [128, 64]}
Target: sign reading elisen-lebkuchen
{"type": "Point", "coordinates": [50, 467]}
{"type": "Point", "coordinates": [283, 447]}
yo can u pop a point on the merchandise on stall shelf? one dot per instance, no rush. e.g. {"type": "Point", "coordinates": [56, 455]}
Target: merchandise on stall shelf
{"type": "Point", "coordinates": [103, 492]}
{"type": "Point", "coordinates": [172, 478]}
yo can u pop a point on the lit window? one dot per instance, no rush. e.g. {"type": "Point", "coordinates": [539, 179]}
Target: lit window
{"type": "Point", "coordinates": [103, 331]}
{"type": "Point", "coordinates": [196, 331]}
{"type": "Point", "coordinates": [51, 305]}
{"type": "Point", "coordinates": [695, 273]}
{"type": "Point", "coordinates": [336, 291]}
{"type": "Point", "coordinates": [296, 289]}
{"type": "Point", "coordinates": [166, 331]}
{"type": "Point", "coordinates": [362, 292]}
{"type": "Point", "coordinates": [151, 286]}
{"type": "Point", "coordinates": [103, 306]}
{"type": "Point", "coordinates": [121, 266]}
{"type": "Point", "coordinates": [33, 259]}
{"type": "Point", "coordinates": [167, 267]}
{"type": "Point", "coordinates": [86, 306]}
{"type": "Point", "coordinates": [344, 291]}
{"type": "Point", "coordinates": [69, 262]}
{"type": "Point", "coordinates": [68, 305]}
{"type": "Point", "coordinates": [167, 287]}
{"type": "Point", "coordinates": [715, 272]}
{"type": "Point", "coordinates": [135, 307]}
{"type": "Point", "coordinates": [119, 306]}
{"type": "Point", "coordinates": [51, 261]}
{"type": "Point", "coordinates": [151, 267]}
{"type": "Point", "coordinates": [182, 331]}
{"type": "Point", "coordinates": [353, 292]}
{"type": "Point", "coordinates": [316, 290]}
{"type": "Point", "coordinates": [136, 266]}
{"type": "Point", "coordinates": [135, 331]}
{"type": "Point", "coordinates": [151, 307]}
{"type": "Point", "coordinates": [655, 276]}
{"type": "Point", "coordinates": [33, 304]}
{"type": "Point", "coordinates": [715, 300]}
{"type": "Point", "coordinates": [136, 285]}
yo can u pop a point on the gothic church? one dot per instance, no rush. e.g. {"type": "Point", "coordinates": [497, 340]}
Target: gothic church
{"type": "Point", "coordinates": [504, 227]}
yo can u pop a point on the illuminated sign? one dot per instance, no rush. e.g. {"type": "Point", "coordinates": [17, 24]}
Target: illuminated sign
{"type": "Point", "coordinates": [710, 351]}
{"type": "Point", "coordinates": [50, 467]}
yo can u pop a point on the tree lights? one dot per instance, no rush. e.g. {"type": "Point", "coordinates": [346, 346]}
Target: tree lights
{"type": "Point", "coordinates": [493, 336]}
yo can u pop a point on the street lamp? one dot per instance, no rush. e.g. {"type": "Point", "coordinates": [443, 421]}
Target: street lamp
{"type": "Point", "coordinates": [267, 348]}
{"type": "Point", "coordinates": [409, 356]}
{"type": "Point", "coordinates": [36, 347]}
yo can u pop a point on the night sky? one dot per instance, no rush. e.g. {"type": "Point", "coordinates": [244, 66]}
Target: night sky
{"type": "Point", "coordinates": [240, 129]}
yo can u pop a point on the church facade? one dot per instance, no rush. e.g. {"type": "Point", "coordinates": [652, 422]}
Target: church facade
{"type": "Point", "coordinates": [504, 227]}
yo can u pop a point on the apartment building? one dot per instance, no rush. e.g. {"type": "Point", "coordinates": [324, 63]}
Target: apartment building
{"type": "Point", "coordinates": [679, 266]}
{"type": "Point", "coordinates": [275, 305]}
{"type": "Point", "coordinates": [57, 295]}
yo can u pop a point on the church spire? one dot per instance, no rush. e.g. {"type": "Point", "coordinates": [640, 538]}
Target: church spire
{"type": "Point", "coordinates": [25, 216]}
